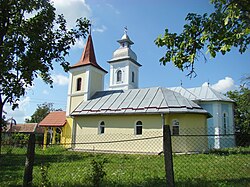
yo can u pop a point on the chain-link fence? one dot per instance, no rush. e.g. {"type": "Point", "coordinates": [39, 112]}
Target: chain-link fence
{"type": "Point", "coordinates": [122, 159]}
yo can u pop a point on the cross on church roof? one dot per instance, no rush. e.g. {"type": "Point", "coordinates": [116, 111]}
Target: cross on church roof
{"type": "Point", "coordinates": [125, 30]}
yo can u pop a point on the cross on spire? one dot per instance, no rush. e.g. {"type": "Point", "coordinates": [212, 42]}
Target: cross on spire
{"type": "Point", "coordinates": [90, 27]}
{"type": "Point", "coordinates": [125, 30]}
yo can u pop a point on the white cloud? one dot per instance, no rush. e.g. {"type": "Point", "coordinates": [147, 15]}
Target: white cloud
{"type": "Point", "coordinates": [72, 10]}
{"type": "Point", "coordinates": [223, 85]}
{"type": "Point", "coordinates": [20, 113]}
{"type": "Point", "coordinates": [79, 44]}
{"type": "Point", "coordinates": [60, 80]}
{"type": "Point", "coordinates": [45, 92]}
{"type": "Point", "coordinates": [113, 8]}
{"type": "Point", "coordinates": [100, 29]}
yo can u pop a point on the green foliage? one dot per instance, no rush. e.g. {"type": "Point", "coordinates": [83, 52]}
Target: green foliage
{"type": "Point", "coordinates": [242, 109]}
{"type": "Point", "coordinates": [32, 39]}
{"type": "Point", "coordinates": [20, 139]}
{"type": "Point", "coordinates": [97, 173]}
{"type": "Point", "coordinates": [70, 168]}
{"type": "Point", "coordinates": [44, 175]}
{"type": "Point", "coordinates": [41, 112]}
{"type": "Point", "coordinates": [232, 150]}
{"type": "Point", "coordinates": [228, 26]}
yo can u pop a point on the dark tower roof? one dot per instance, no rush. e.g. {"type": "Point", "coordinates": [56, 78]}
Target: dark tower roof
{"type": "Point", "coordinates": [88, 56]}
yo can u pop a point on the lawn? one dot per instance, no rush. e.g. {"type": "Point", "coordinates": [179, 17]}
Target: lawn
{"type": "Point", "coordinates": [59, 167]}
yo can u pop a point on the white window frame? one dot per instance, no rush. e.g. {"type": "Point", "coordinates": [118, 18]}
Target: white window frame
{"type": "Point", "coordinates": [119, 76]}
{"type": "Point", "coordinates": [175, 124]}
{"type": "Point", "coordinates": [133, 76]}
{"type": "Point", "coordinates": [78, 84]}
{"type": "Point", "coordinates": [225, 122]}
{"type": "Point", "coordinates": [101, 127]}
{"type": "Point", "coordinates": [138, 126]}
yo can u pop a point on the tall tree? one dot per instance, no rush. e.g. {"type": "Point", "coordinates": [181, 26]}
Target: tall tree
{"type": "Point", "coordinates": [41, 112]}
{"type": "Point", "coordinates": [242, 109]}
{"type": "Point", "coordinates": [228, 26]}
{"type": "Point", "coordinates": [32, 38]}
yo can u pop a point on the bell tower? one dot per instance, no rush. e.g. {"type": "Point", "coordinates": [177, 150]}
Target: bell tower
{"type": "Point", "coordinates": [124, 68]}
{"type": "Point", "coordinates": [85, 78]}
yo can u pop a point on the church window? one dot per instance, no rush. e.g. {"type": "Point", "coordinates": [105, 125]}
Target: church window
{"type": "Point", "coordinates": [78, 84]}
{"type": "Point", "coordinates": [175, 127]}
{"type": "Point", "coordinates": [138, 128]}
{"type": "Point", "coordinates": [101, 127]}
{"type": "Point", "coordinates": [225, 121]}
{"type": "Point", "coordinates": [119, 76]}
{"type": "Point", "coordinates": [133, 77]}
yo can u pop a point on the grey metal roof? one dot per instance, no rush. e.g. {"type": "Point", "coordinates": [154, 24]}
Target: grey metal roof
{"type": "Point", "coordinates": [184, 92]}
{"type": "Point", "coordinates": [140, 101]}
{"type": "Point", "coordinates": [203, 93]}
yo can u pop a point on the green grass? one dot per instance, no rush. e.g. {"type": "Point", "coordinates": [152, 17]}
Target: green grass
{"type": "Point", "coordinates": [67, 168]}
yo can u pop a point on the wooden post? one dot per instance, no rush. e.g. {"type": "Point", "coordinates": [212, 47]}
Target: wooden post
{"type": "Point", "coordinates": [27, 178]}
{"type": "Point", "coordinates": [54, 136]}
{"type": "Point", "coordinates": [45, 138]}
{"type": "Point", "coordinates": [167, 149]}
{"type": "Point", "coordinates": [0, 136]}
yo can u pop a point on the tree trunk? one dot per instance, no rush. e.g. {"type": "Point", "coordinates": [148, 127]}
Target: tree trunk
{"type": "Point", "coordinates": [27, 178]}
{"type": "Point", "coordinates": [1, 123]}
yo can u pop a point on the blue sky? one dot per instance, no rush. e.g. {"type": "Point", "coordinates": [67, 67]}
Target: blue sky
{"type": "Point", "coordinates": [145, 21]}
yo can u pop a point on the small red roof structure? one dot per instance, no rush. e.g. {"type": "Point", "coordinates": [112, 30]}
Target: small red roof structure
{"type": "Point", "coordinates": [25, 128]}
{"type": "Point", "coordinates": [54, 119]}
{"type": "Point", "coordinates": [88, 56]}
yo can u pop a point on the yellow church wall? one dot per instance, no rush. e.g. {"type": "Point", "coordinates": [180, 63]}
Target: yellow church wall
{"type": "Point", "coordinates": [119, 135]}
{"type": "Point", "coordinates": [66, 135]}
{"type": "Point", "coordinates": [194, 126]}
{"type": "Point", "coordinates": [96, 83]}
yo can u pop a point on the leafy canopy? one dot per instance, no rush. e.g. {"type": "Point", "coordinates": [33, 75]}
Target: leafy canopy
{"type": "Point", "coordinates": [228, 26]}
{"type": "Point", "coordinates": [32, 38]}
{"type": "Point", "coordinates": [41, 112]}
{"type": "Point", "coordinates": [242, 109]}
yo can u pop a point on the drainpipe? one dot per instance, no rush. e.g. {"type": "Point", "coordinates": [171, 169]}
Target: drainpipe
{"type": "Point", "coordinates": [163, 118]}
{"type": "Point", "coordinates": [73, 135]}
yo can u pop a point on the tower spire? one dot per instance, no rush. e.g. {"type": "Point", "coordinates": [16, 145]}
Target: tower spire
{"type": "Point", "coordinates": [88, 56]}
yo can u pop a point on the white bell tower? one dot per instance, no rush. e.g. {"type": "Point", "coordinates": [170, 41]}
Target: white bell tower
{"type": "Point", "coordinates": [85, 78]}
{"type": "Point", "coordinates": [124, 68]}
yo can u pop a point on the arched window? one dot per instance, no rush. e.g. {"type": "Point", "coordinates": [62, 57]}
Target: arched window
{"type": "Point", "coordinates": [119, 76]}
{"type": "Point", "coordinates": [78, 84]}
{"type": "Point", "coordinates": [101, 127]}
{"type": "Point", "coordinates": [225, 121]}
{"type": "Point", "coordinates": [175, 127]}
{"type": "Point", "coordinates": [133, 77]}
{"type": "Point", "coordinates": [138, 128]}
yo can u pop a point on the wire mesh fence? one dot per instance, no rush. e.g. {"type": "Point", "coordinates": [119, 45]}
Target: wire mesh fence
{"type": "Point", "coordinates": [122, 159]}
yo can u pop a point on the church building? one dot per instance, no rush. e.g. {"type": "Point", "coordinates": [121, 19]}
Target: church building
{"type": "Point", "coordinates": [126, 118]}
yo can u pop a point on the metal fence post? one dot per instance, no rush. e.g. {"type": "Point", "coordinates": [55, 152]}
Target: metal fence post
{"type": "Point", "coordinates": [167, 149]}
{"type": "Point", "coordinates": [27, 178]}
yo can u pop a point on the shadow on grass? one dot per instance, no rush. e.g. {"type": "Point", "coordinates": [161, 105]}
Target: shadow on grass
{"type": "Point", "coordinates": [242, 182]}
{"type": "Point", "coordinates": [152, 182]}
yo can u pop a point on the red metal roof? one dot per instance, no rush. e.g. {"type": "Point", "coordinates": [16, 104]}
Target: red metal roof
{"type": "Point", "coordinates": [54, 119]}
{"type": "Point", "coordinates": [88, 56]}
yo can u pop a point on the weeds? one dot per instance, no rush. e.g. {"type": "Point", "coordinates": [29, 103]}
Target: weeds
{"type": "Point", "coordinates": [44, 174]}
{"type": "Point", "coordinates": [97, 174]}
